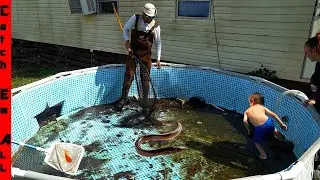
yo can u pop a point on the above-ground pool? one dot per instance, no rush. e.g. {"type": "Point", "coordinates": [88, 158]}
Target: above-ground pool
{"type": "Point", "coordinates": [218, 146]}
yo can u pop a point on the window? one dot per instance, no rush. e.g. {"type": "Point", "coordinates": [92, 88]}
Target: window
{"type": "Point", "coordinates": [106, 7]}
{"type": "Point", "coordinates": [86, 7]}
{"type": "Point", "coordinates": [194, 8]}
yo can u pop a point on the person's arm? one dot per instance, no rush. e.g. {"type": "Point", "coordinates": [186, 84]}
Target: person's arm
{"type": "Point", "coordinates": [246, 124]}
{"type": "Point", "coordinates": [157, 38]}
{"type": "Point", "coordinates": [276, 117]}
{"type": "Point", "coordinates": [126, 30]}
{"type": "Point", "coordinates": [315, 96]}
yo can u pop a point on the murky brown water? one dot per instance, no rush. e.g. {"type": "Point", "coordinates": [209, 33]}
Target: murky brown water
{"type": "Point", "coordinates": [216, 141]}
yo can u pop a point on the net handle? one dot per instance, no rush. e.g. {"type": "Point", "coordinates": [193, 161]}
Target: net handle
{"type": "Point", "coordinates": [29, 146]}
{"type": "Point", "coordinates": [140, 63]}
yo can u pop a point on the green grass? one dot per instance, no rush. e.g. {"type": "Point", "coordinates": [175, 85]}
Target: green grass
{"type": "Point", "coordinates": [25, 73]}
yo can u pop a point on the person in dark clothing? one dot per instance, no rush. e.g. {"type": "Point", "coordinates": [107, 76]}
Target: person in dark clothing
{"type": "Point", "coordinates": [144, 32]}
{"type": "Point", "coordinates": [312, 50]}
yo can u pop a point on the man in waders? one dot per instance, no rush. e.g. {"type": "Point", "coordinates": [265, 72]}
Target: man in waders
{"type": "Point", "coordinates": [144, 31]}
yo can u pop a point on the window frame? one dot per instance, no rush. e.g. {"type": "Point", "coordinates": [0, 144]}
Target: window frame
{"type": "Point", "coordinates": [195, 18]}
{"type": "Point", "coordinates": [73, 8]}
{"type": "Point", "coordinates": [98, 6]}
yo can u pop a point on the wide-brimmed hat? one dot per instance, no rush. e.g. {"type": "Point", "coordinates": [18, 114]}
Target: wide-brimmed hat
{"type": "Point", "coordinates": [149, 9]}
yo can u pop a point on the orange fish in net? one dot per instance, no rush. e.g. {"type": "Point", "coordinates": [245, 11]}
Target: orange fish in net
{"type": "Point", "coordinates": [67, 156]}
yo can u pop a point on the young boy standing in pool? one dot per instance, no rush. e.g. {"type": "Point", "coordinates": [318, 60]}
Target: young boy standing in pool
{"type": "Point", "coordinates": [257, 115]}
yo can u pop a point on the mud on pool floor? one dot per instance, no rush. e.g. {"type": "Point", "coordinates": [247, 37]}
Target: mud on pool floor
{"type": "Point", "coordinates": [217, 144]}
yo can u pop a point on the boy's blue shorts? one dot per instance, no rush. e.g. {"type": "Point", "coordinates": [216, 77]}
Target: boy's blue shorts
{"type": "Point", "coordinates": [260, 132]}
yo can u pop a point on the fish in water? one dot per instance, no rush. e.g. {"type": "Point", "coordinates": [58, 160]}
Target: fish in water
{"type": "Point", "coordinates": [49, 112]}
{"type": "Point", "coordinates": [160, 137]}
{"type": "Point", "coordinates": [67, 156]}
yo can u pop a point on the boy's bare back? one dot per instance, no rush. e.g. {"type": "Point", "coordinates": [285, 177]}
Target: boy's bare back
{"type": "Point", "coordinates": [257, 115]}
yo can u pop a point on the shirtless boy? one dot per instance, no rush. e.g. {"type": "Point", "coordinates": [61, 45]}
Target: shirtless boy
{"type": "Point", "coordinates": [263, 121]}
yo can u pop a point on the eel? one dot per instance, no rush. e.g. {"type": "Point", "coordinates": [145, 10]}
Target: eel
{"type": "Point", "coordinates": [160, 137]}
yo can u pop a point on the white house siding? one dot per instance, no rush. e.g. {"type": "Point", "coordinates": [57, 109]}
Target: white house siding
{"type": "Point", "coordinates": [249, 32]}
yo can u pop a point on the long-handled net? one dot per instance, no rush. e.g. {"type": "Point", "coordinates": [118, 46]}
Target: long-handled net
{"type": "Point", "coordinates": [64, 157]}
{"type": "Point", "coordinates": [150, 102]}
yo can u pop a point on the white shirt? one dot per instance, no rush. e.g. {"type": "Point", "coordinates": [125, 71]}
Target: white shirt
{"type": "Point", "coordinates": [142, 26]}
